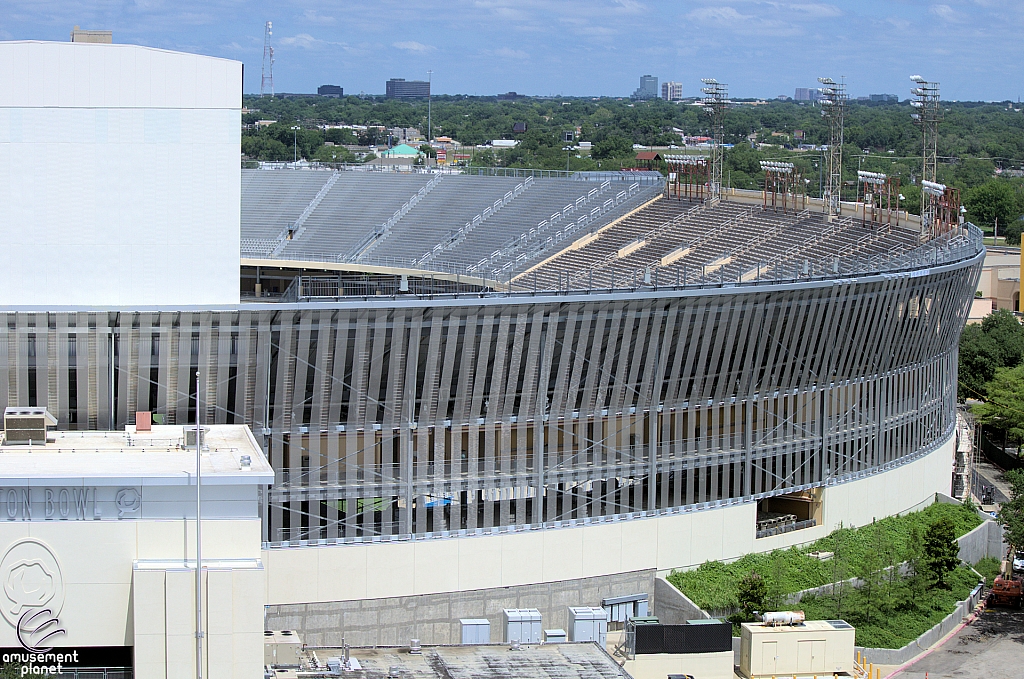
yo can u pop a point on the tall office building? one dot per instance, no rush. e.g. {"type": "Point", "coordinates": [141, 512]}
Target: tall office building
{"type": "Point", "coordinates": [400, 88]}
{"type": "Point", "coordinates": [807, 94]}
{"type": "Point", "coordinates": [334, 91]}
{"type": "Point", "coordinates": [648, 88]}
{"type": "Point", "coordinates": [671, 90]}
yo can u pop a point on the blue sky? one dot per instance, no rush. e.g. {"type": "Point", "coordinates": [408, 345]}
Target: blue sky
{"type": "Point", "coordinates": [974, 48]}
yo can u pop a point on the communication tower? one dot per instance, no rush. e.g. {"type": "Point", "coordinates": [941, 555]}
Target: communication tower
{"type": "Point", "coordinates": [267, 84]}
{"type": "Point", "coordinates": [716, 101]}
{"type": "Point", "coordinates": [833, 109]}
{"type": "Point", "coordinates": [927, 116]}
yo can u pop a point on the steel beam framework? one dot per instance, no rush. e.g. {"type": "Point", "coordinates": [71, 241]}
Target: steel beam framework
{"type": "Point", "coordinates": [400, 417]}
{"type": "Point", "coordinates": [833, 108]}
{"type": "Point", "coordinates": [928, 113]}
{"type": "Point", "coordinates": [716, 103]}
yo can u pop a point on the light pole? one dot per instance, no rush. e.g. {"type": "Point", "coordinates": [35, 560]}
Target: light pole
{"type": "Point", "coordinates": [295, 143]}
{"type": "Point", "coordinates": [199, 539]}
{"type": "Point", "coordinates": [568, 152]}
{"type": "Point", "coordinates": [430, 129]}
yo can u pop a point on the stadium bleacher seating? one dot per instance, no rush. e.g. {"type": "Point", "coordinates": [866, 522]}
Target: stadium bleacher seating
{"type": "Point", "coordinates": [547, 232]}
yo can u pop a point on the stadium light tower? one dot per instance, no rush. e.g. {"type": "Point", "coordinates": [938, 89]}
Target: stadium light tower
{"type": "Point", "coordinates": [927, 116]}
{"type": "Point", "coordinates": [267, 83]}
{"type": "Point", "coordinates": [833, 109]}
{"type": "Point", "coordinates": [716, 101]}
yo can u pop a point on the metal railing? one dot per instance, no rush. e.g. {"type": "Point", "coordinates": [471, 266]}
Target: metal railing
{"type": "Point", "coordinates": [786, 528]}
{"type": "Point", "coordinates": [958, 246]}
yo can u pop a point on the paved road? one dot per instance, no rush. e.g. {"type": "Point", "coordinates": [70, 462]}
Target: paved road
{"type": "Point", "coordinates": [993, 476]}
{"type": "Point", "coordinates": [992, 647]}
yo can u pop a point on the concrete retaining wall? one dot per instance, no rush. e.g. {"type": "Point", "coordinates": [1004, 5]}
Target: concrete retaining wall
{"type": "Point", "coordinates": [434, 618]}
{"type": "Point", "coordinates": [898, 656]}
{"type": "Point", "coordinates": [672, 606]}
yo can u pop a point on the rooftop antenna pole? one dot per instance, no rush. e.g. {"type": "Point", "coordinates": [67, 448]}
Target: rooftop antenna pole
{"type": "Point", "coordinates": [199, 542]}
{"type": "Point", "coordinates": [267, 83]}
{"type": "Point", "coordinates": [430, 129]}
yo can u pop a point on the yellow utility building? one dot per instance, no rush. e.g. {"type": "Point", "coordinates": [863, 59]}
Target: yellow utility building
{"type": "Point", "coordinates": [816, 647]}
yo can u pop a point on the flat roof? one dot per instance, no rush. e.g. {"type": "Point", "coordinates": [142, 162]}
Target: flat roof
{"type": "Point", "coordinates": [156, 457]}
{"type": "Point", "coordinates": [582, 660]}
{"type": "Point", "coordinates": [806, 626]}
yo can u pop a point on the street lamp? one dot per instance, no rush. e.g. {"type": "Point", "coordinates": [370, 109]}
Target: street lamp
{"type": "Point", "coordinates": [295, 143]}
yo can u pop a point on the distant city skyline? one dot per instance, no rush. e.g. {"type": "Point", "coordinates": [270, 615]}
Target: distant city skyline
{"type": "Point", "coordinates": [574, 47]}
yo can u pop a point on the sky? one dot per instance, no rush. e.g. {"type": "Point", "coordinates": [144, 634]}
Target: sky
{"type": "Point", "coordinates": [974, 48]}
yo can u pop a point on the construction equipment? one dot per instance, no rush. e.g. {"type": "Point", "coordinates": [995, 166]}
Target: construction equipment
{"type": "Point", "coordinates": [1007, 589]}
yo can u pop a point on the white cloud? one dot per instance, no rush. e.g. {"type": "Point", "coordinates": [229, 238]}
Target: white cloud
{"type": "Point", "coordinates": [631, 5]}
{"type": "Point", "coordinates": [507, 53]}
{"type": "Point", "coordinates": [306, 41]}
{"type": "Point", "coordinates": [817, 9]}
{"type": "Point", "coordinates": [314, 17]}
{"type": "Point", "coordinates": [718, 14]}
{"type": "Point", "coordinates": [946, 13]}
{"type": "Point", "coordinates": [413, 46]}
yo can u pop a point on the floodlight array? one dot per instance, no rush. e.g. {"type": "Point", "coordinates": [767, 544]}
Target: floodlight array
{"type": "Point", "coordinates": [716, 101]}
{"type": "Point", "coordinates": [776, 166]}
{"type": "Point", "coordinates": [876, 178]}
{"type": "Point", "coordinates": [933, 188]}
{"type": "Point", "coordinates": [685, 160]}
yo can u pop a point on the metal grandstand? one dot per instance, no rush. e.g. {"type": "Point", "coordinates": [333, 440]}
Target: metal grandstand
{"type": "Point", "coordinates": [572, 232]}
{"type": "Point", "coordinates": [483, 224]}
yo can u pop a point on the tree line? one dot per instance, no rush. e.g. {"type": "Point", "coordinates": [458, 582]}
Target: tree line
{"type": "Point", "coordinates": [980, 144]}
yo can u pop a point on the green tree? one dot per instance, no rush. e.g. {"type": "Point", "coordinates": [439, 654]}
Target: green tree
{"type": "Point", "coordinates": [1003, 408]}
{"type": "Point", "coordinates": [339, 135]}
{"type": "Point", "coordinates": [1011, 514]}
{"type": "Point", "coordinates": [870, 571]}
{"type": "Point", "coordinates": [841, 539]}
{"type": "Point", "coordinates": [941, 551]}
{"type": "Point", "coordinates": [997, 342]}
{"type": "Point", "coordinates": [992, 202]}
{"type": "Point", "coordinates": [612, 147]}
{"type": "Point", "coordinates": [334, 154]}
{"type": "Point", "coordinates": [917, 572]}
{"type": "Point", "coordinates": [752, 594]}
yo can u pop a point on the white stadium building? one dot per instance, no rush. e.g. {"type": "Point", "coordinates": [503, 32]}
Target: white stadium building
{"type": "Point", "coordinates": [461, 393]}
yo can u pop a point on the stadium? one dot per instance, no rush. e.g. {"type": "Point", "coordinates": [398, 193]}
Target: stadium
{"type": "Point", "coordinates": [496, 388]}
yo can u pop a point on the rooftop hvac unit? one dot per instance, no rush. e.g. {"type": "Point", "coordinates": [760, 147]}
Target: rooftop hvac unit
{"type": "Point", "coordinates": [27, 426]}
{"type": "Point", "coordinates": [282, 649]}
{"type": "Point", "coordinates": [622, 608]}
{"type": "Point", "coordinates": [522, 625]}
{"type": "Point", "coordinates": [555, 636]}
{"type": "Point", "coordinates": [190, 436]}
{"type": "Point", "coordinates": [588, 623]}
{"type": "Point", "coordinates": [476, 631]}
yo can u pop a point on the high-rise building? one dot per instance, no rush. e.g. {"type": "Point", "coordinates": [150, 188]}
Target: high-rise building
{"type": "Point", "coordinates": [400, 88]}
{"type": "Point", "coordinates": [331, 91]}
{"type": "Point", "coordinates": [671, 90]}
{"type": "Point", "coordinates": [648, 88]}
{"type": "Point", "coordinates": [886, 98]}
{"type": "Point", "coordinates": [807, 94]}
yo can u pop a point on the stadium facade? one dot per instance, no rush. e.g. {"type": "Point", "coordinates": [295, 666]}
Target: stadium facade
{"type": "Point", "coordinates": [478, 392]}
